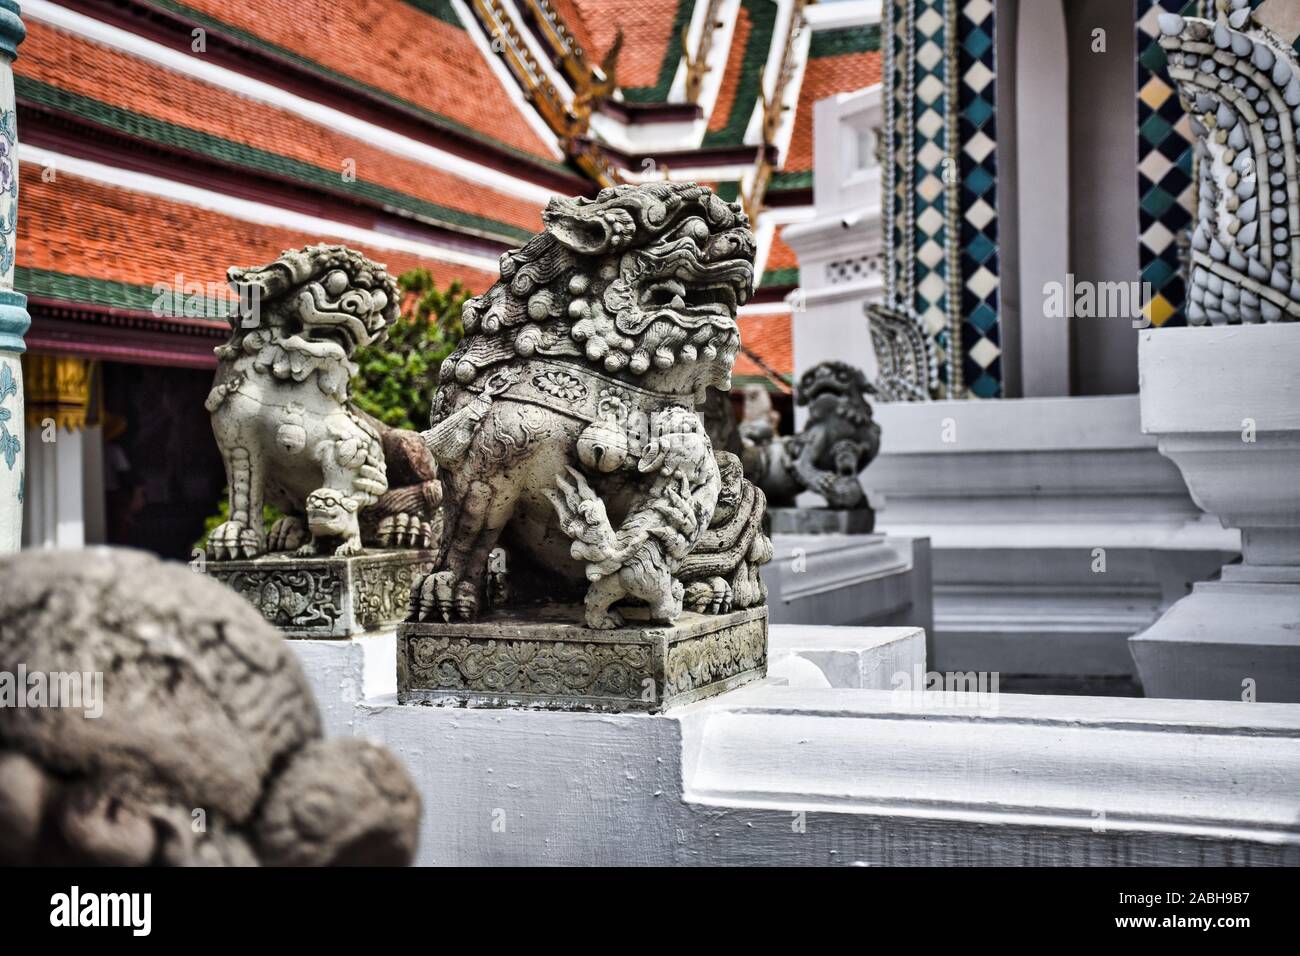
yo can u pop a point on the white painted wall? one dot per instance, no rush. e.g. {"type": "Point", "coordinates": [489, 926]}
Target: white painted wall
{"type": "Point", "coordinates": [778, 775]}
{"type": "Point", "coordinates": [1017, 496]}
{"type": "Point", "coordinates": [828, 322]}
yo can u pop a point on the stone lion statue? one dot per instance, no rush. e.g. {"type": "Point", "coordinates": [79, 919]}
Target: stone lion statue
{"type": "Point", "coordinates": [838, 441]}
{"type": "Point", "coordinates": [289, 435]}
{"type": "Point", "coordinates": [567, 417]}
{"type": "Point", "coordinates": [198, 743]}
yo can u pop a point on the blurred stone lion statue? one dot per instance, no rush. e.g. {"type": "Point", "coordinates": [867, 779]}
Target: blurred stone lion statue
{"type": "Point", "coordinates": [149, 716]}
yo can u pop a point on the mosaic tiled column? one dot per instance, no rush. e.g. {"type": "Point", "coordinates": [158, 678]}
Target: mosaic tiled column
{"type": "Point", "coordinates": [941, 228]}
{"type": "Point", "coordinates": [1166, 196]}
{"type": "Point", "coordinates": [13, 305]}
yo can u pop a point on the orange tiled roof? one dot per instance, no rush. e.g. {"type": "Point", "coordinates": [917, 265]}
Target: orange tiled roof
{"type": "Point", "coordinates": [394, 47]}
{"type": "Point", "coordinates": [76, 226]}
{"type": "Point", "coordinates": [780, 256]}
{"type": "Point", "coordinates": [80, 66]}
{"type": "Point", "coordinates": [647, 29]}
{"type": "Point", "coordinates": [823, 77]}
{"type": "Point", "coordinates": [767, 336]}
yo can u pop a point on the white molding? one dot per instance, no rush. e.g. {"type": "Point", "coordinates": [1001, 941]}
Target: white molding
{"type": "Point", "coordinates": [247, 210]}
{"type": "Point", "coordinates": [765, 308]}
{"type": "Point", "coordinates": [834, 16]}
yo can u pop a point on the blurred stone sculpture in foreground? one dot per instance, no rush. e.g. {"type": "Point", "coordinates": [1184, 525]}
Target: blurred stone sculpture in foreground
{"type": "Point", "coordinates": [204, 745]}
{"type": "Point", "coordinates": [567, 430]}
{"type": "Point", "coordinates": [291, 437]}
{"type": "Point", "coordinates": [838, 441]}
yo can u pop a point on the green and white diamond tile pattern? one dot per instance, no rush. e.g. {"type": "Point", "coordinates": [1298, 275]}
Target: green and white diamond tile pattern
{"type": "Point", "coordinates": [1166, 184]}
{"type": "Point", "coordinates": [981, 349]}
{"type": "Point", "coordinates": [944, 262]}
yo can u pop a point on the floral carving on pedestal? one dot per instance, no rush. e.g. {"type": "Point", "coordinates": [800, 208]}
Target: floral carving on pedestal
{"type": "Point", "coordinates": [554, 668]}
{"type": "Point", "coordinates": [699, 661]}
{"type": "Point", "coordinates": [382, 592]}
{"type": "Point", "coordinates": [291, 598]}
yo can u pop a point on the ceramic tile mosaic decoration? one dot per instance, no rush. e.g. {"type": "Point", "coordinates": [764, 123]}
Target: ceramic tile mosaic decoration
{"type": "Point", "coordinates": [942, 229]}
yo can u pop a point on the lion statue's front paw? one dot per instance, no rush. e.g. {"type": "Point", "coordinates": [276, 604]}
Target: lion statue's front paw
{"type": "Point", "coordinates": [405, 531]}
{"type": "Point", "coordinates": [287, 534]}
{"type": "Point", "coordinates": [232, 540]}
{"type": "Point", "coordinates": [432, 597]}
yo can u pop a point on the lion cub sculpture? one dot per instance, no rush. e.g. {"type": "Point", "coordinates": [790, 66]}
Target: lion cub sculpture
{"type": "Point", "coordinates": [288, 433]}
{"type": "Point", "coordinates": [566, 419]}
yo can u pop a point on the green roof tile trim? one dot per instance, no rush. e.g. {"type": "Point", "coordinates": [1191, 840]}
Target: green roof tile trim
{"type": "Point", "coordinates": [728, 191]}
{"type": "Point", "coordinates": [437, 119]}
{"type": "Point", "coordinates": [790, 180]}
{"type": "Point", "coordinates": [47, 284]}
{"type": "Point", "coordinates": [668, 67]}
{"type": "Point", "coordinates": [762, 17]}
{"type": "Point", "coordinates": [837, 42]}
{"type": "Point", "coordinates": [140, 126]}
{"type": "Point", "coordinates": [740, 381]}
{"type": "Point", "coordinates": [442, 9]}
{"type": "Point", "coordinates": [780, 277]}
{"type": "Point", "coordinates": [14, 321]}
{"type": "Point", "coordinates": [12, 30]}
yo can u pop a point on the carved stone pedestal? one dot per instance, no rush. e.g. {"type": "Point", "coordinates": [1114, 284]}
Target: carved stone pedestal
{"type": "Point", "coordinates": [545, 658]}
{"type": "Point", "coordinates": [328, 597]}
{"type": "Point", "coordinates": [822, 520]}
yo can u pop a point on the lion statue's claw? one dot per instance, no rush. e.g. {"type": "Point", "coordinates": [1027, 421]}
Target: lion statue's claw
{"type": "Point", "coordinates": [232, 540]}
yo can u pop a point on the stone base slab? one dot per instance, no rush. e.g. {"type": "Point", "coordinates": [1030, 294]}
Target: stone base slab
{"type": "Point", "coordinates": [545, 657]}
{"type": "Point", "coordinates": [822, 521]}
{"type": "Point", "coordinates": [328, 597]}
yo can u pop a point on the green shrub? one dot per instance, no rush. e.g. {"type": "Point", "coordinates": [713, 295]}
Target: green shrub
{"type": "Point", "coordinates": [396, 377]}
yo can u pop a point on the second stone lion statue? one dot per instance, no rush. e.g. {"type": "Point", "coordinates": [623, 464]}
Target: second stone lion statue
{"type": "Point", "coordinates": [566, 419]}
{"type": "Point", "coordinates": [287, 430]}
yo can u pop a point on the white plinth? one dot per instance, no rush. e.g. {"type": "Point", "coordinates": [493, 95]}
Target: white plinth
{"type": "Point", "coordinates": [849, 579]}
{"type": "Point", "coordinates": [869, 658]}
{"type": "Point", "coordinates": [1057, 530]}
{"type": "Point", "coordinates": [781, 775]}
{"type": "Point", "coordinates": [1224, 403]}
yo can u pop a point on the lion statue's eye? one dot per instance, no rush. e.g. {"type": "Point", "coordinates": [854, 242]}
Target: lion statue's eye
{"type": "Point", "coordinates": [336, 282]}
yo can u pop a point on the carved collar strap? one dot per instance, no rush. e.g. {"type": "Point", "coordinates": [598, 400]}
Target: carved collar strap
{"type": "Point", "coordinates": [576, 391]}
